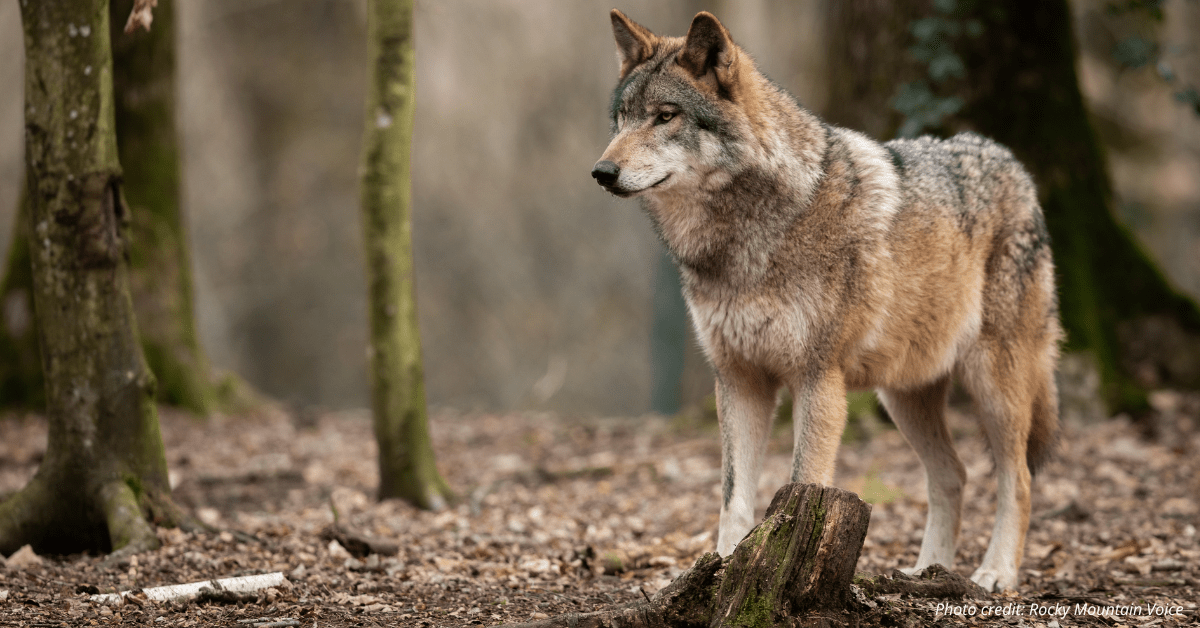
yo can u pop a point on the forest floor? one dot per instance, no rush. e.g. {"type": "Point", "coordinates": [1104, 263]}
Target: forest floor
{"type": "Point", "coordinates": [563, 514]}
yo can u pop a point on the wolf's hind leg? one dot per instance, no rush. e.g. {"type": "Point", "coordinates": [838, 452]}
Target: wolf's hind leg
{"type": "Point", "coordinates": [1005, 401]}
{"type": "Point", "coordinates": [745, 409]}
{"type": "Point", "coordinates": [920, 415]}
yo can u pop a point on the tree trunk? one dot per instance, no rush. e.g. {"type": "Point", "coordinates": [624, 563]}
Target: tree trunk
{"type": "Point", "coordinates": [159, 263]}
{"type": "Point", "coordinates": [21, 384]}
{"type": "Point", "coordinates": [794, 568]}
{"type": "Point", "coordinates": [668, 338]}
{"type": "Point", "coordinates": [104, 473]}
{"type": "Point", "coordinates": [406, 463]}
{"type": "Point", "coordinates": [1021, 88]}
{"type": "Point", "coordinates": [868, 62]}
{"type": "Point", "coordinates": [1026, 95]}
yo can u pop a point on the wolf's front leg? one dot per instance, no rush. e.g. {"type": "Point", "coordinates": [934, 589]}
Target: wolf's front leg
{"type": "Point", "coordinates": [818, 420]}
{"type": "Point", "coordinates": [745, 408]}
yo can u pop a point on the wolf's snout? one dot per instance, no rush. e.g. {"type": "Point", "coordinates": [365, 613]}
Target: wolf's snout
{"type": "Point", "coordinates": [606, 172]}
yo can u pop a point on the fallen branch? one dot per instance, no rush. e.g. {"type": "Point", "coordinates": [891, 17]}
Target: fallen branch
{"type": "Point", "coordinates": [193, 590]}
{"type": "Point", "coordinates": [359, 545]}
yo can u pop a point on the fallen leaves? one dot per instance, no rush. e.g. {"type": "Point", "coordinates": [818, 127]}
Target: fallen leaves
{"type": "Point", "coordinates": [563, 515]}
{"type": "Point", "coordinates": [22, 559]}
{"type": "Point", "coordinates": [141, 15]}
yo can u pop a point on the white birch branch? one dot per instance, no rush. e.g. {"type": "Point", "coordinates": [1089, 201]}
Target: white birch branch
{"type": "Point", "coordinates": [243, 584]}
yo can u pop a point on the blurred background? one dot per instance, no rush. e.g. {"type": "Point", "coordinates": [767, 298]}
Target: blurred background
{"type": "Point", "coordinates": [535, 288]}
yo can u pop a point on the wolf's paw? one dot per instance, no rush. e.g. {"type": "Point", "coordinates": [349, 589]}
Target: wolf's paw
{"type": "Point", "coordinates": [912, 571]}
{"type": "Point", "coordinates": [994, 580]}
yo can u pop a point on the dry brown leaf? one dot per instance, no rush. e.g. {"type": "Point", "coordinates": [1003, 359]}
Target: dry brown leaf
{"type": "Point", "coordinates": [141, 15]}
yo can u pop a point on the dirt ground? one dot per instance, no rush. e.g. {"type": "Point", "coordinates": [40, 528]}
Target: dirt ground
{"type": "Point", "coordinates": [564, 514]}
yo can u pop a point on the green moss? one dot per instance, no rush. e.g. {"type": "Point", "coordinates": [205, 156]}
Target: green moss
{"type": "Point", "coordinates": [862, 579]}
{"type": "Point", "coordinates": [756, 612]}
{"type": "Point", "coordinates": [135, 484]}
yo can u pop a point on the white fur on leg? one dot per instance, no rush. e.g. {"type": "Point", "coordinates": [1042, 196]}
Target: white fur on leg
{"type": "Point", "coordinates": [920, 416]}
{"type": "Point", "coordinates": [942, 521]}
{"type": "Point", "coordinates": [941, 530]}
{"type": "Point", "coordinates": [998, 571]}
{"type": "Point", "coordinates": [745, 418]}
{"type": "Point", "coordinates": [736, 520]}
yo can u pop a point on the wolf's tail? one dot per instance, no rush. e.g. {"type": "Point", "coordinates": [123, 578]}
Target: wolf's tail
{"type": "Point", "coordinates": [1043, 426]}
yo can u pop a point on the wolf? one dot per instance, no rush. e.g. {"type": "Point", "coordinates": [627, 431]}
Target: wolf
{"type": "Point", "coordinates": [814, 258]}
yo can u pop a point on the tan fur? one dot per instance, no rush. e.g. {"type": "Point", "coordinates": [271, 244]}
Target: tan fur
{"type": "Point", "coordinates": [815, 258]}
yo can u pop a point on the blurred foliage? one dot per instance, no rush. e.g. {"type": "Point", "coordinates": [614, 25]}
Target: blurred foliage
{"type": "Point", "coordinates": [934, 48]}
{"type": "Point", "coordinates": [1142, 49]}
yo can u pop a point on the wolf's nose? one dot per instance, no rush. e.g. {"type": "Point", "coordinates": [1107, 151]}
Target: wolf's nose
{"type": "Point", "coordinates": [606, 172]}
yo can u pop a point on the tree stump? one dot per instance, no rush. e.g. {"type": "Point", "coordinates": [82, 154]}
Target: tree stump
{"type": "Point", "coordinates": [795, 568]}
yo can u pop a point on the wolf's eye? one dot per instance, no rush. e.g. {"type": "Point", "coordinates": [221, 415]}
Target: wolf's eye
{"type": "Point", "coordinates": [664, 117]}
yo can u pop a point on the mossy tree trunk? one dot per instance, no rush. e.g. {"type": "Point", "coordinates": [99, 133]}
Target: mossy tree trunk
{"type": "Point", "coordinates": [1025, 93]}
{"type": "Point", "coordinates": [159, 263]}
{"type": "Point", "coordinates": [104, 476]}
{"type": "Point", "coordinates": [1021, 88]}
{"type": "Point", "coordinates": [21, 384]}
{"type": "Point", "coordinates": [407, 468]}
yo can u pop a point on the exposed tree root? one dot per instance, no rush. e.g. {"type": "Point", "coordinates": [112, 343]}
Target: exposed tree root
{"type": "Point", "coordinates": [57, 517]}
{"type": "Point", "coordinates": [128, 530]}
{"type": "Point", "coordinates": [934, 582]}
{"type": "Point", "coordinates": [359, 545]}
{"type": "Point", "coordinates": [22, 515]}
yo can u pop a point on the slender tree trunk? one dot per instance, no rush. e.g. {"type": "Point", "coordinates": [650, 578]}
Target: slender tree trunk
{"type": "Point", "coordinates": [1021, 89]}
{"type": "Point", "coordinates": [104, 475]}
{"type": "Point", "coordinates": [406, 463]}
{"type": "Point", "coordinates": [668, 337]}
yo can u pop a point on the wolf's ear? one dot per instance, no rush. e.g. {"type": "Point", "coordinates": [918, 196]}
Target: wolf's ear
{"type": "Point", "coordinates": [708, 47]}
{"type": "Point", "coordinates": [635, 43]}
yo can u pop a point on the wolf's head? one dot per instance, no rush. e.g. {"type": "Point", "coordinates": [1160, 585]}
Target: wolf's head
{"type": "Point", "coordinates": [677, 109]}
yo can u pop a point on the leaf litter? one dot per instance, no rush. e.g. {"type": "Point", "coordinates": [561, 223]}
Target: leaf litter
{"type": "Point", "coordinates": [559, 514]}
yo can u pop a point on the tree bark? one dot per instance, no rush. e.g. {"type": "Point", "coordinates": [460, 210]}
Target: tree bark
{"type": "Point", "coordinates": [868, 62]}
{"type": "Point", "coordinates": [794, 568]}
{"type": "Point", "coordinates": [104, 476]}
{"type": "Point", "coordinates": [1021, 89]}
{"type": "Point", "coordinates": [407, 468]}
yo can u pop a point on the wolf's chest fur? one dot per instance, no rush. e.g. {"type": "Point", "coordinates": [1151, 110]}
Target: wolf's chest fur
{"type": "Point", "coordinates": [751, 328]}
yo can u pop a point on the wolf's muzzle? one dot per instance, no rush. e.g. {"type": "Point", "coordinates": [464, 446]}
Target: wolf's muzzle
{"type": "Point", "coordinates": [605, 173]}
